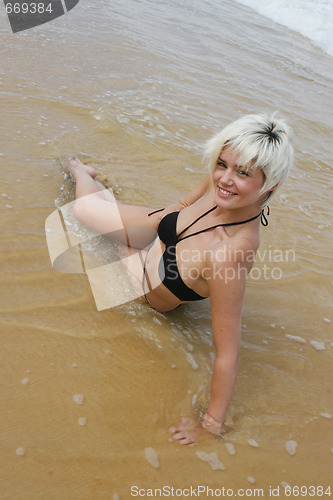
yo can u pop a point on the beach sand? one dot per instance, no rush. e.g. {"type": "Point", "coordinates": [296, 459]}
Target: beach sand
{"type": "Point", "coordinates": [85, 393]}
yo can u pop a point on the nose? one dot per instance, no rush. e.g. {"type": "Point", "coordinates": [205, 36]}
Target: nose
{"type": "Point", "coordinates": [227, 176]}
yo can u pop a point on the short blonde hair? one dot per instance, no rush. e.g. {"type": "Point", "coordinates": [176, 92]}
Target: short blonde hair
{"type": "Point", "coordinates": [260, 140]}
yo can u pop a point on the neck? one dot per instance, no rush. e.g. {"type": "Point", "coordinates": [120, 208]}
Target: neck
{"type": "Point", "coordinates": [238, 214]}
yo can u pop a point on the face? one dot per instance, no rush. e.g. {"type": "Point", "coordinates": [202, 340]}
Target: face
{"type": "Point", "coordinates": [236, 187]}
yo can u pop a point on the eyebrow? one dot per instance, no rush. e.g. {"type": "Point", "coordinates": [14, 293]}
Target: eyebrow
{"type": "Point", "coordinates": [241, 167]}
{"type": "Point", "coordinates": [226, 163]}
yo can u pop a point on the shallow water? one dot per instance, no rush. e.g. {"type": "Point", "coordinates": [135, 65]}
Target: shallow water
{"type": "Point", "coordinates": [136, 89]}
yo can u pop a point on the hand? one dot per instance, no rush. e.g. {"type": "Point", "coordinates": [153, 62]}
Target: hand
{"type": "Point", "coordinates": [187, 432]}
{"type": "Point", "coordinates": [175, 207]}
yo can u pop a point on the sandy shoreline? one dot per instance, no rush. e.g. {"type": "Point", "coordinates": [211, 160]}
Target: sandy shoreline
{"type": "Point", "coordinates": [138, 370]}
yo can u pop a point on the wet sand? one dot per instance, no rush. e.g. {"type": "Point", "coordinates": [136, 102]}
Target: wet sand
{"type": "Point", "coordinates": [130, 97]}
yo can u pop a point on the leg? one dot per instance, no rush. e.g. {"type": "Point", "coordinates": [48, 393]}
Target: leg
{"type": "Point", "coordinates": [84, 176]}
{"type": "Point", "coordinates": [97, 208]}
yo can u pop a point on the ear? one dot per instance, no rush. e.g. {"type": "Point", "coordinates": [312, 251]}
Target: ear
{"type": "Point", "coordinates": [270, 191]}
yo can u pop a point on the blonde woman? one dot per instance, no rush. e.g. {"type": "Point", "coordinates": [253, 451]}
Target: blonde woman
{"type": "Point", "coordinates": [203, 245]}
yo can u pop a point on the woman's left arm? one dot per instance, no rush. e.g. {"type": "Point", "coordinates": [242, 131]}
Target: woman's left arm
{"type": "Point", "coordinates": [226, 288]}
{"type": "Point", "coordinates": [226, 281]}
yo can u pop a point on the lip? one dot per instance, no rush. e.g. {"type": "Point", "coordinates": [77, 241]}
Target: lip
{"type": "Point", "coordinates": [225, 193]}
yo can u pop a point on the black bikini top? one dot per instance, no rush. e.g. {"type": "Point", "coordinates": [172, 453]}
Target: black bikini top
{"type": "Point", "coordinates": [164, 229]}
{"type": "Point", "coordinates": [168, 268]}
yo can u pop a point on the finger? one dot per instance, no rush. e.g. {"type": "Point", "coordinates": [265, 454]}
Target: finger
{"type": "Point", "coordinates": [187, 441]}
{"type": "Point", "coordinates": [186, 421]}
{"type": "Point", "coordinates": [179, 435]}
{"type": "Point", "coordinates": [178, 428]}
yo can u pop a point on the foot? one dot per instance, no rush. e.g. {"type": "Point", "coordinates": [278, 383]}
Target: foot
{"type": "Point", "coordinates": [76, 166]}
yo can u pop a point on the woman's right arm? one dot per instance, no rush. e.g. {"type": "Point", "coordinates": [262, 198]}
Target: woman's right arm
{"type": "Point", "coordinates": [189, 198]}
{"type": "Point", "coordinates": [197, 192]}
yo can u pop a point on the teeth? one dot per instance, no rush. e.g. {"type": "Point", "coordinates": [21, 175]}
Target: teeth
{"type": "Point", "coordinates": [225, 192]}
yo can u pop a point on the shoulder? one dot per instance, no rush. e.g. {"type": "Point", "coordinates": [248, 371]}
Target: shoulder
{"type": "Point", "coordinates": [228, 266]}
{"type": "Point", "coordinates": [238, 249]}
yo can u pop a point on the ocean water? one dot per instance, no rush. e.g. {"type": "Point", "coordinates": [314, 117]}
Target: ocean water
{"type": "Point", "coordinates": [311, 18]}
{"type": "Point", "coordinates": [135, 88]}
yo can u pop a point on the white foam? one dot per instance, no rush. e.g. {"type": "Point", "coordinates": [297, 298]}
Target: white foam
{"type": "Point", "coordinates": [296, 338]}
{"type": "Point", "coordinates": [326, 415]}
{"type": "Point", "coordinates": [319, 346]}
{"type": "Point", "coordinates": [82, 421]}
{"type": "Point", "coordinates": [20, 452]}
{"type": "Point", "coordinates": [78, 399]}
{"type": "Point", "coordinates": [212, 459]}
{"type": "Point", "coordinates": [251, 479]}
{"type": "Point", "coordinates": [253, 443]}
{"type": "Point", "coordinates": [192, 361]}
{"type": "Point", "coordinates": [311, 18]}
{"type": "Point", "coordinates": [230, 448]}
{"type": "Point", "coordinates": [152, 457]}
{"type": "Point", "coordinates": [291, 447]}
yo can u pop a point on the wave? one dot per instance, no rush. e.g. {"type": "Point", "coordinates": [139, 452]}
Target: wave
{"type": "Point", "coordinates": [311, 18]}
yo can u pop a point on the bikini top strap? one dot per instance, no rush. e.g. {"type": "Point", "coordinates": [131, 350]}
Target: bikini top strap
{"type": "Point", "coordinates": [196, 220]}
{"type": "Point", "coordinates": [155, 211]}
{"type": "Point", "coordinates": [219, 225]}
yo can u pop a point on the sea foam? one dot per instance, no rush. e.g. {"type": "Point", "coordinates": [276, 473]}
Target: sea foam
{"type": "Point", "coordinates": [311, 18]}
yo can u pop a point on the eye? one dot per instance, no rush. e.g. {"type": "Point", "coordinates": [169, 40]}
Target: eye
{"type": "Point", "coordinates": [221, 164]}
{"type": "Point", "coordinates": [243, 172]}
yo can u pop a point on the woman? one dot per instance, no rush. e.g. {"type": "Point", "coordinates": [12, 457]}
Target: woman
{"type": "Point", "coordinates": [205, 242]}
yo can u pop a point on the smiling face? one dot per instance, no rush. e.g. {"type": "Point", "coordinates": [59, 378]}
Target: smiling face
{"type": "Point", "coordinates": [236, 187]}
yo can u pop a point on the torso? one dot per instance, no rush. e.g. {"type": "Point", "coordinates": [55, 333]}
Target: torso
{"type": "Point", "coordinates": [194, 254]}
